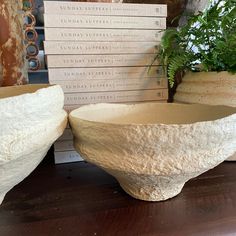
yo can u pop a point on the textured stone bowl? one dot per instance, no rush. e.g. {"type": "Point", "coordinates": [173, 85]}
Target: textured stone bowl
{"type": "Point", "coordinates": [153, 149]}
{"type": "Point", "coordinates": [211, 88]}
{"type": "Point", "coordinates": [32, 118]}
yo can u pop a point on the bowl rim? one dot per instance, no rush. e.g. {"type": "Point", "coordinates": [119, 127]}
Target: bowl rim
{"type": "Point", "coordinates": [16, 90]}
{"type": "Point", "coordinates": [71, 116]}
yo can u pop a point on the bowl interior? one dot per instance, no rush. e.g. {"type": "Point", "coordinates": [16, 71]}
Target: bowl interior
{"type": "Point", "coordinates": [151, 113]}
{"type": "Point", "coordinates": [12, 91]}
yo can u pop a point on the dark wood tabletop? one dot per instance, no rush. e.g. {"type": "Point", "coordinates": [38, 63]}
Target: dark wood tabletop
{"type": "Point", "coordinates": [81, 199]}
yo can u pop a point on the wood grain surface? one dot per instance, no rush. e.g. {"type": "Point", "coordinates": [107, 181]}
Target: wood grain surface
{"type": "Point", "coordinates": [80, 199]}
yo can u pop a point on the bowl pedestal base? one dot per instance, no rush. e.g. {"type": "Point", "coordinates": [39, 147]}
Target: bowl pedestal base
{"type": "Point", "coordinates": [150, 191]}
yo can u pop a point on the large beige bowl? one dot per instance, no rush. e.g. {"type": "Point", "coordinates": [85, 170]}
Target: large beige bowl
{"type": "Point", "coordinates": [153, 149]}
{"type": "Point", "coordinates": [31, 119]}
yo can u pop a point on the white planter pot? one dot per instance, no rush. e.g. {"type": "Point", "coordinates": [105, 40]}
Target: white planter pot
{"type": "Point", "coordinates": [210, 88]}
{"type": "Point", "coordinates": [32, 118]}
{"type": "Point", "coordinates": [153, 149]}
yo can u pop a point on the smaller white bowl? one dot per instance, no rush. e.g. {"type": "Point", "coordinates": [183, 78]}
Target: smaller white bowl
{"type": "Point", "coordinates": [32, 118]}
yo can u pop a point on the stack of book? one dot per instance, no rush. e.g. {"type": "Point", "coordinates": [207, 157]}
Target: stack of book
{"type": "Point", "coordinates": [101, 52]}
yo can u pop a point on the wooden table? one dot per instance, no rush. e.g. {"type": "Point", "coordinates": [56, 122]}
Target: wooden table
{"type": "Point", "coordinates": [80, 199]}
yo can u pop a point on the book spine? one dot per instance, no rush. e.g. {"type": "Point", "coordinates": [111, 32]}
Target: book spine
{"type": "Point", "coordinates": [102, 35]}
{"type": "Point", "coordinates": [67, 135]}
{"type": "Point", "coordinates": [70, 108]}
{"type": "Point", "coordinates": [116, 97]}
{"type": "Point", "coordinates": [66, 145]}
{"type": "Point", "coordinates": [111, 22]}
{"type": "Point", "coordinates": [71, 86]}
{"type": "Point", "coordinates": [106, 9]}
{"type": "Point", "coordinates": [67, 157]}
{"type": "Point", "coordinates": [108, 73]}
{"type": "Point", "coordinates": [100, 60]}
{"type": "Point", "coordinates": [63, 48]}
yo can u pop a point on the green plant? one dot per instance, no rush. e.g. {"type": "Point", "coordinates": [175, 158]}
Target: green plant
{"type": "Point", "coordinates": [207, 42]}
